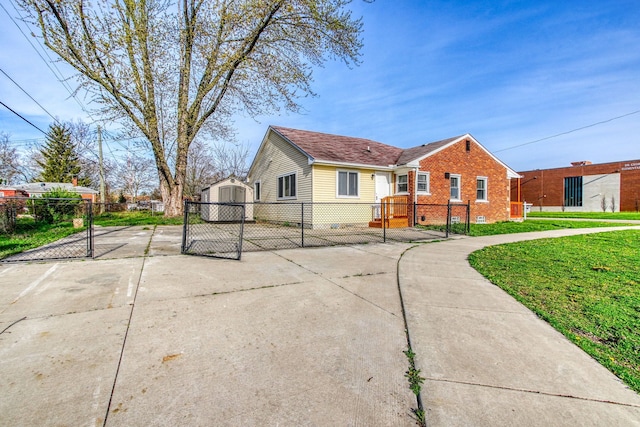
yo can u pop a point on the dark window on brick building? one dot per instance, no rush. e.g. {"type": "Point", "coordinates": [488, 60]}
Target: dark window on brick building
{"type": "Point", "coordinates": [573, 191]}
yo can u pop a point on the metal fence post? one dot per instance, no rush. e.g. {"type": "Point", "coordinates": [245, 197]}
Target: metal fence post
{"type": "Point", "coordinates": [468, 228]}
{"type": "Point", "coordinates": [89, 207]}
{"type": "Point", "coordinates": [302, 222]}
{"type": "Point", "coordinates": [241, 237]}
{"type": "Point", "coordinates": [185, 228]}
{"type": "Point", "coordinates": [383, 214]}
{"type": "Point", "coordinates": [448, 228]}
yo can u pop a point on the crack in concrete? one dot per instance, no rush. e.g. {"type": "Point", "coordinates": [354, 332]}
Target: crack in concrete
{"type": "Point", "coordinates": [522, 390]}
{"type": "Point", "coordinates": [126, 334]}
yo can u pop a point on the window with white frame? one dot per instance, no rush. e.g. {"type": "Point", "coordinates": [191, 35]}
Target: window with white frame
{"type": "Point", "coordinates": [402, 183]}
{"type": "Point", "coordinates": [348, 184]}
{"type": "Point", "coordinates": [287, 186]}
{"type": "Point", "coordinates": [423, 182]}
{"type": "Point", "coordinates": [481, 189]}
{"type": "Point", "coordinates": [454, 181]}
{"type": "Point", "coordinates": [257, 186]}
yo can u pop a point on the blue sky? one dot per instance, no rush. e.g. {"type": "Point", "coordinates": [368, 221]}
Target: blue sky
{"type": "Point", "coordinates": [507, 72]}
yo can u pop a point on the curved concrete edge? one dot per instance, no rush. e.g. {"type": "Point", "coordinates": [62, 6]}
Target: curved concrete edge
{"type": "Point", "coordinates": [487, 359]}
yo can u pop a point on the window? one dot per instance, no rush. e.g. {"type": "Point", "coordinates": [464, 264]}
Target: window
{"type": "Point", "coordinates": [573, 191]}
{"type": "Point", "coordinates": [256, 191]}
{"type": "Point", "coordinates": [454, 181]}
{"type": "Point", "coordinates": [402, 184]}
{"type": "Point", "coordinates": [287, 186]}
{"type": "Point", "coordinates": [347, 184]}
{"type": "Point", "coordinates": [423, 182]}
{"type": "Point", "coordinates": [481, 188]}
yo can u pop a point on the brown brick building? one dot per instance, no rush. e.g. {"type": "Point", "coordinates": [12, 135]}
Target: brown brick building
{"type": "Point", "coordinates": [582, 187]}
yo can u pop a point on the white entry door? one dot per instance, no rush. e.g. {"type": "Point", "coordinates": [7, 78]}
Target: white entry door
{"type": "Point", "coordinates": [383, 186]}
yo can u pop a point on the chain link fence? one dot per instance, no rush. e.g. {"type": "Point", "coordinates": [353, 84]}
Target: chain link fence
{"type": "Point", "coordinates": [223, 230]}
{"type": "Point", "coordinates": [213, 229]}
{"type": "Point", "coordinates": [45, 228]}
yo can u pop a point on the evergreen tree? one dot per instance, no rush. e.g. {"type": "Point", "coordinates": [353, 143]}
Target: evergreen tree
{"type": "Point", "coordinates": [60, 161]}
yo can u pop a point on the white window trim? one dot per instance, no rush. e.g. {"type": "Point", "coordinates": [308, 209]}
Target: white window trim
{"type": "Point", "coordinates": [257, 195]}
{"type": "Point", "coordinates": [455, 175]}
{"type": "Point", "coordinates": [428, 175]}
{"type": "Point", "coordinates": [486, 189]}
{"type": "Point", "coordinates": [295, 178]}
{"type": "Point", "coordinates": [342, 196]}
{"type": "Point", "coordinates": [398, 183]}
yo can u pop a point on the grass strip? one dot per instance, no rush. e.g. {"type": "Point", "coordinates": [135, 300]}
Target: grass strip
{"type": "Point", "coordinates": [587, 215]}
{"type": "Point", "coordinates": [586, 286]}
{"type": "Point", "coordinates": [509, 227]}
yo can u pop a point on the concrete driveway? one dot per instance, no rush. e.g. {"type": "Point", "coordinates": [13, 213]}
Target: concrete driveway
{"type": "Point", "coordinates": [144, 336]}
{"type": "Point", "coordinates": [294, 337]}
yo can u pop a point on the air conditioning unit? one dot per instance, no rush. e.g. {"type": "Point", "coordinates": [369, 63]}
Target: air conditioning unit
{"type": "Point", "coordinates": [481, 219]}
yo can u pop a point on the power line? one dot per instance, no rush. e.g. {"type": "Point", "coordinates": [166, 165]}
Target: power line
{"type": "Point", "coordinates": [19, 115]}
{"type": "Point", "coordinates": [59, 76]}
{"type": "Point", "coordinates": [27, 93]}
{"type": "Point", "coordinates": [568, 132]}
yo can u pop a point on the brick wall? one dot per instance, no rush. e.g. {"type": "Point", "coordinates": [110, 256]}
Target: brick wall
{"type": "Point", "coordinates": [471, 164]}
{"type": "Point", "coordinates": [545, 187]}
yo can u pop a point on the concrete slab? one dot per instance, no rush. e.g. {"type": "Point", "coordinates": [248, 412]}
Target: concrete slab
{"type": "Point", "coordinates": [54, 371]}
{"type": "Point", "coordinates": [456, 404]}
{"type": "Point", "coordinates": [340, 261]}
{"type": "Point", "coordinates": [189, 276]}
{"type": "Point", "coordinates": [303, 354]}
{"type": "Point", "coordinates": [166, 240]}
{"type": "Point", "coordinates": [121, 242]}
{"type": "Point", "coordinates": [38, 290]}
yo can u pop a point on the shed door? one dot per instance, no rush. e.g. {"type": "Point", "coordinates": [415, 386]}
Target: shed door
{"type": "Point", "coordinates": [230, 194]}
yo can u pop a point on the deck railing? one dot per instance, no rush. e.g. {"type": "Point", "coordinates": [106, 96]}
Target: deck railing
{"type": "Point", "coordinates": [392, 206]}
{"type": "Point", "coordinates": [516, 210]}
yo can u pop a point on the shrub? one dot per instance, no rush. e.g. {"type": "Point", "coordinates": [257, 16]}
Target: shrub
{"type": "Point", "coordinates": [56, 205]}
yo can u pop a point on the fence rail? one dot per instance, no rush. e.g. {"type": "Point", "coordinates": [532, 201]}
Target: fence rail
{"type": "Point", "coordinates": [224, 230]}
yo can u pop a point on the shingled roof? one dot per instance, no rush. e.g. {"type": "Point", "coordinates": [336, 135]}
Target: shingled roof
{"type": "Point", "coordinates": [345, 149]}
{"type": "Point", "coordinates": [341, 149]}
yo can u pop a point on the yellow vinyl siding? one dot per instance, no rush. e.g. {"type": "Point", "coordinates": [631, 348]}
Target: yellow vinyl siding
{"type": "Point", "coordinates": [325, 182]}
{"type": "Point", "coordinates": [279, 158]}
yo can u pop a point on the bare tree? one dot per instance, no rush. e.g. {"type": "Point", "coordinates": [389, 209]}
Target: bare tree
{"type": "Point", "coordinates": [10, 166]}
{"type": "Point", "coordinates": [603, 203]}
{"type": "Point", "coordinates": [231, 161]}
{"type": "Point", "coordinates": [172, 69]}
{"type": "Point", "coordinates": [613, 204]}
{"type": "Point", "coordinates": [201, 169]}
{"type": "Point", "coordinates": [135, 176]}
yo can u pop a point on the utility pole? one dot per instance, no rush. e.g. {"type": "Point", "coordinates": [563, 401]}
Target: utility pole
{"type": "Point", "coordinates": [101, 167]}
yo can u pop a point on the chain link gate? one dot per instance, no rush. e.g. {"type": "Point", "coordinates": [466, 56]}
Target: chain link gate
{"type": "Point", "coordinates": [37, 229]}
{"type": "Point", "coordinates": [213, 229]}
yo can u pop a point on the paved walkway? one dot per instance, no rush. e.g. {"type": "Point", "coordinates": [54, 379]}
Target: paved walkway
{"type": "Point", "coordinates": [489, 361]}
{"type": "Point", "coordinates": [291, 337]}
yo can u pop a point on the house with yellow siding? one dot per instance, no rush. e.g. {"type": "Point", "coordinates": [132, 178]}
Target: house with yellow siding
{"type": "Point", "coordinates": [323, 170]}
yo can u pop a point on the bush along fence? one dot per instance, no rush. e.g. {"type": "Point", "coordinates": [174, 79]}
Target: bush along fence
{"type": "Point", "coordinates": [45, 228]}
{"type": "Point", "coordinates": [226, 229]}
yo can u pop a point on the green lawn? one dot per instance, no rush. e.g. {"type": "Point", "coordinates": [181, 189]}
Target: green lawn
{"type": "Point", "coordinates": [509, 227]}
{"type": "Point", "coordinates": [587, 287]}
{"type": "Point", "coordinates": [30, 235]}
{"type": "Point", "coordinates": [587, 215]}
{"type": "Point", "coordinates": [135, 218]}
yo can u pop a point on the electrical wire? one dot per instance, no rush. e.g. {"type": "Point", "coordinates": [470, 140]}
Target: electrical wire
{"type": "Point", "coordinates": [19, 115]}
{"type": "Point", "coordinates": [568, 132]}
{"type": "Point", "coordinates": [27, 93]}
